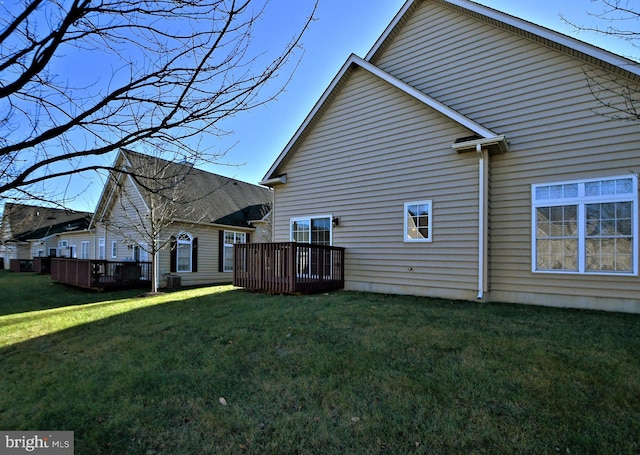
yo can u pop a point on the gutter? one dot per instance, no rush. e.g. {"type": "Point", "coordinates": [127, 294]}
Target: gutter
{"type": "Point", "coordinates": [483, 215]}
{"type": "Point", "coordinates": [280, 180]}
{"type": "Point", "coordinates": [481, 146]}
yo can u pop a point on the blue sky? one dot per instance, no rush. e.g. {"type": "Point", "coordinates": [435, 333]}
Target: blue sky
{"type": "Point", "coordinates": [342, 27]}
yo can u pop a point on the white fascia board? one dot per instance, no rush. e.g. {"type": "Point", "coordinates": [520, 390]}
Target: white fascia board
{"type": "Point", "coordinates": [406, 88]}
{"type": "Point", "coordinates": [114, 188]}
{"type": "Point", "coordinates": [104, 200]}
{"type": "Point", "coordinates": [426, 99]}
{"type": "Point", "coordinates": [309, 118]}
{"type": "Point", "coordinates": [398, 17]}
{"type": "Point", "coordinates": [551, 35]}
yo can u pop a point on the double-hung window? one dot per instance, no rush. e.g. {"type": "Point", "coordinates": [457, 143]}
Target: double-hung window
{"type": "Point", "coordinates": [84, 250]}
{"type": "Point", "coordinates": [230, 239]}
{"type": "Point", "coordinates": [183, 252]}
{"type": "Point", "coordinates": [101, 249]}
{"type": "Point", "coordinates": [587, 226]}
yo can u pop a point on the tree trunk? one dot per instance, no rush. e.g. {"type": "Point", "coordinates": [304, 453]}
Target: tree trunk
{"type": "Point", "coordinates": [154, 270]}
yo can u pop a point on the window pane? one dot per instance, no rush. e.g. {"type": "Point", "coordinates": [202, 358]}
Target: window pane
{"type": "Point", "coordinates": [609, 237]}
{"type": "Point", "coordinates": [608, 187]}
{"type": "Point", "coordinates": [571, 190]}
{"type": "Point", "coordinates": [300, 231]}
{"type": "Point", "coordinates": [624, 186]}
{"type": "Point", "coordinates": [623, 255]}
{"type": "Point", "coordinates": [417, 221]}
{"type": "Point", "coordinates": [592, 188]}
{"type": "Point", "coordinates": [184, 257]}
{"type": "Point", "coordinates": [228, 258]}
{"type": "Point", "coordinates": [556, 191]}
{"type": "Point", "coordinates": [556, 238]}
{"type": "Point", "coordinates": [321, 231]}
{"type": "Point", "coordinates": [542, 193]}
{"type": "Point", "coordinates": [230, 239]}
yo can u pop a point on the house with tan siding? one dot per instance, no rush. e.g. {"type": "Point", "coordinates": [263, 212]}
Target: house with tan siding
{"type": "Point", "coordinates": [472, 155]}
{"type": "Point", "coordinates": [29, 231]}
{"type": "Point", "coordinates": [184, 218]}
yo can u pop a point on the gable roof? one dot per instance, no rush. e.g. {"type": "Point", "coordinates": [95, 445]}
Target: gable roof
{"type": "Point", "coordinates": [197, 195]}
{"type": "Point", "coordinates": [22, 222]}
{"type": "Point", "coordinates": [515, 24]}
{"type": "Point", "coordinates": [483, 136]}
{"type": "Point", "coordinates": [356, 62]}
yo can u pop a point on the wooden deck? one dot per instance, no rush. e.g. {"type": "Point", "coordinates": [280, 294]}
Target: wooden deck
{"type": "Point", "coordinates": [101, 275]}
{"type": "Point", "coordinates": [288, 267]}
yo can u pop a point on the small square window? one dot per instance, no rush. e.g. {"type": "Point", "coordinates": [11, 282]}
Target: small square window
{"type": "Point", "coordinates": [417, 221]}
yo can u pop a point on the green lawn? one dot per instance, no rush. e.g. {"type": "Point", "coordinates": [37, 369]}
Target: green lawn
{"type": "Point", "coordinates": [222, 371]}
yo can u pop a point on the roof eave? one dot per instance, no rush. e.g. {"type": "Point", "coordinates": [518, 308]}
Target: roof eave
{"type": "Point", "coordinates": [485, 142]}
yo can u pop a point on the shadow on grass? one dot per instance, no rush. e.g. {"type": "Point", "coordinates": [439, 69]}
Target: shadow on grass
{"type": "Point", "coordinates": [337, 373]}
{"type": "Point", "coordinates": [25, 292]}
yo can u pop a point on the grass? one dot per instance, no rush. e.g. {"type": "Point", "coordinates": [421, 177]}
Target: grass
{"type": "Point", "coordinates": [222, 371]}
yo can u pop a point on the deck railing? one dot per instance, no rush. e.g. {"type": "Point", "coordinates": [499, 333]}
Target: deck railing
{"type": "Point", "coordinates": [42, 264]}
{"type": "Point", "coordinates": [100, 274]}
{"type": "Point", "coordinates": [288, 267]}
{"type": "Point", "coordinates": [21, 265]}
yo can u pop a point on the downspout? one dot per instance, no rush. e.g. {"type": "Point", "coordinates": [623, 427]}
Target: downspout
{"type": "Point", "coordinates": [483, 215]}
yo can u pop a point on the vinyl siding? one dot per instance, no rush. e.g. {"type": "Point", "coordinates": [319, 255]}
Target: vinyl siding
{"type": "Point", "coordinates": [539, 98]}
{"type": "Point", "coordinates": [372, 150]}
{"type": "Point", "coordinates": [74, 239]}
{"type": "Point", "coordinates": [124, 223]}
{"type": "Point", "coordinates": [208, 250]}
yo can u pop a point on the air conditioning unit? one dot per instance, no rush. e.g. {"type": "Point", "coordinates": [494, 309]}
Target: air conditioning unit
{"type": "Point", "coordinates": [173, 282]}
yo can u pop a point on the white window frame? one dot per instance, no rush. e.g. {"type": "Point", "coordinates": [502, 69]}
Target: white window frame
{"type": "Point", "coordinates": [63, 244]}
{"type": "Point", "coordinates": [84, 249]}
{"type": "Point", "coordinates": [102, 253]}
{"type": "Point", "coordinates": [304, 259]}
{"type": "Point", "coordinates": [238, 237]}
{"type": "Point", "coordinates": [180, 241]}
{"type": "Point", "coordinates": [144, 252]}
{"type": "Point", "coordinates": [114, 249]}
{"type": "Point", "coordinates": [309, 219]}
{"type": "Point", "coordinates": [575, 194]}
{"type": "Point", "coordinates": [408, 225]}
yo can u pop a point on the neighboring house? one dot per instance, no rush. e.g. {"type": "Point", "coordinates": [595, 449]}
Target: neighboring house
{"type": "Point", "coordinates": [195, 217]}
{"type": "Point", "coordinates": [466, 157]}
{"type": "Point", "coordinates": [30, 231]}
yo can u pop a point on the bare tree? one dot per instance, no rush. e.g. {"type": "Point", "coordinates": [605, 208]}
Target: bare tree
{"type": "Point", "coordinates": [171, 72]}
{"type": "Point", "coordinates": [619, 98]}
{"type": "Point", "coordinates": [150, 201]}
{"type": "Point", "coordinates": [167, 197]}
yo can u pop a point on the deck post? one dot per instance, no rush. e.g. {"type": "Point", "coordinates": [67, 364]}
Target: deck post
{"type": "Point", "coordinates": [293, 270]}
